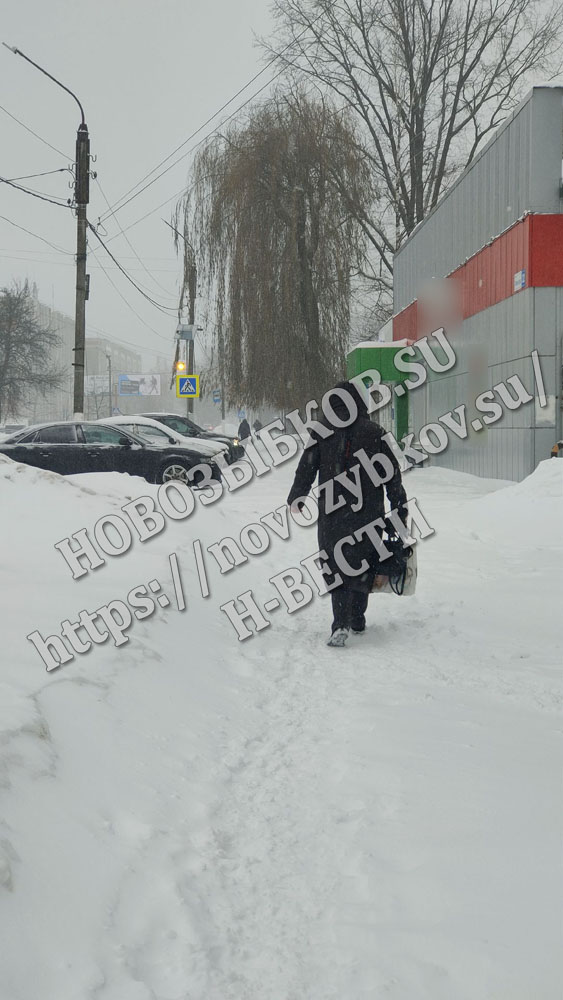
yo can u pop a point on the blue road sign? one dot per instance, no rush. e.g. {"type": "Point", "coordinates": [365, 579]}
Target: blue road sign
{"type": "Point", "coordinates": [216, 395]}
{"type": "Point", "coordinates": [187, 385]}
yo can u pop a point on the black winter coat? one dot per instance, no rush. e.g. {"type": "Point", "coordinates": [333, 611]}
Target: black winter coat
{"type": "Point", "coordinates": [244, 430]}
{"type": "Point", "coordinates": [331, 456]}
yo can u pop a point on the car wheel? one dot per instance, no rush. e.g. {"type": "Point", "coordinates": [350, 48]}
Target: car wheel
{"type": "Point", "coordinates": [175, 470]}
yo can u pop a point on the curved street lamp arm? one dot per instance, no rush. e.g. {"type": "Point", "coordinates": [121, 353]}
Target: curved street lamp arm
{"type": "Point", "coordinates": [18, 52]}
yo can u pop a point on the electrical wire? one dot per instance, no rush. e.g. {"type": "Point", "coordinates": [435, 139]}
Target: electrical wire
{"type": "Point", "coordinates": [195, 146]}
{"type": "Point", "coordinates": [256, 76]}
{"type": "Point", "coordinates": [35, 194]}
{"type": "Point", "coordinates": [45, 173]}
{"type": "Point", "coordinates": [37, 237]}
{"type": "Point", "coordinates": [184, 189]}
{"type": "Point", "coordinates": [49, 262]}
{"type": "Point", "coordinates": [128, 304]}
{"type": "Point", "coordinates": [53, 253]}
{"type": "Point", "coordinates": [121, 203]}
{"type": "Point", "coordinates": [157, 305]}
{"type": "Point", "coordinates": [118, 340]}
{"type": "Point", "coordinates": [147, 214]}
{"type": "Point", "coordinates": [165, 290]}
{"type": "Point", "coordinates": [37, 136]}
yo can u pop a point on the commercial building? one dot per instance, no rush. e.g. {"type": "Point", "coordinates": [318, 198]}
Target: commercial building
{"type": "Point", "coordinates": [496, 238]}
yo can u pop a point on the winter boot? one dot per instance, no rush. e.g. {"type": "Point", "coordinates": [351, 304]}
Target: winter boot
{"type": "Point", "coordinates": [338, 637]}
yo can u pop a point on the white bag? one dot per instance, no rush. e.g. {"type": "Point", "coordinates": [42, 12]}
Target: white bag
{"type": "Point", "coordinates": [382, 585]}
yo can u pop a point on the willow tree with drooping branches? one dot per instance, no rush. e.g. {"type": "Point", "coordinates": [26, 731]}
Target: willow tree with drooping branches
{"type": "Point", "coordinates": [277, 247]}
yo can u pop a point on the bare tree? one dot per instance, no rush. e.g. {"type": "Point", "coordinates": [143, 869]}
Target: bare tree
{"type": "Point", "coordinates": [26, 366]}
{"type": "Point", "coordinates": [97, 404]}
{"type": "Point", "coordinates": [427, 79]}
{"type": "Point", "coordinates": [276, 246]}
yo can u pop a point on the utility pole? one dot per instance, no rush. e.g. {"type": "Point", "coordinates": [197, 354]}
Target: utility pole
{"type": "Point", "coordinates": [110, 388]}
{"type": "Point", "coordinates": [192, 288]}
{"type": "Point", "coordinates": [81, 198]}
{"type": "Point", "coordinates": [190, 272]}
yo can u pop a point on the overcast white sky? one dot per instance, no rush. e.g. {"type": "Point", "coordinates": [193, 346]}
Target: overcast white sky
{"type": "Point", "coordinates": [148, 74]}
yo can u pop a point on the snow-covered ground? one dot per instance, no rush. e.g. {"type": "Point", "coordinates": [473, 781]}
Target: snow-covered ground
{"type": "Point", "coordinates": [189, 817]}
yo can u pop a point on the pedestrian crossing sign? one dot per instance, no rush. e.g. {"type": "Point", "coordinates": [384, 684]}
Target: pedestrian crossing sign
{"type": "Point", "coordinates": [187, 385]}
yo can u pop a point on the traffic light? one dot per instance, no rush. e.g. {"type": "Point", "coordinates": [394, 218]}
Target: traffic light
{"type": "Point", "coordinates": [180, 366]}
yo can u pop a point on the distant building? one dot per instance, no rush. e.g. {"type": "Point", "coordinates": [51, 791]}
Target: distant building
{"type": "Point", "coordinates": [97, 373]}
{"type": "Point", "coordinates": [58, 404]}
{"type": "Point", "coordinates": [122, 358]}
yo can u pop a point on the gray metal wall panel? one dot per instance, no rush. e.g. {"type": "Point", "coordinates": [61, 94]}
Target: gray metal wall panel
{"type": "Point", "coordinates": [517, 171]}
{"type": "Point", "coordinates": [545, 315]}
{"type": "Point", "coordinates": [544, 439]}
{"type": "Point", "coordinates": [545, 149]}
{"type": "Point", "coordinates": [502, 339]}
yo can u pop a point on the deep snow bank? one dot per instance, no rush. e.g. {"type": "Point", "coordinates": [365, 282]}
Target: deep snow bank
{"type": "Point", "coordinates": [189, 816]}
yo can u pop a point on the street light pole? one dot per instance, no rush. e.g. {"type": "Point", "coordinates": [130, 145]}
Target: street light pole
{"type": "Point", "coordinates": [82, 198]}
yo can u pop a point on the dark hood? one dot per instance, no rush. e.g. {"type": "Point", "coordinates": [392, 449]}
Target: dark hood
{"type": "Point", "coordinates": [339, 406]}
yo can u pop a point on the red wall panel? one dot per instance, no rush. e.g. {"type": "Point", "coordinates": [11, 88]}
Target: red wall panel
{"type": "Point", "coordinates": [405, 323]}
{"type": "Point", "coordinates": [488, 277]}
{"type": "Point", "coordinates": [546, 251]}
{"type": "Point", "coordinates": [534, 245]}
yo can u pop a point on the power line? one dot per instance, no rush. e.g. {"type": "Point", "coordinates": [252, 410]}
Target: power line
{"type": "Point", "coordinates": [273, 59]}
{"type": "Point", "coordinates": [63, 263]}
{"type": "Point", "coordinates": [169, 260]}
{"type": "Point", "coordinates": [37, 136]}
{"type": "Point", "coordinates": [35, 194]}
{"type": "Point", "coordinates": [118, 340]}
{"type": "Point", "coordinates": [38, 237]}
{"type": "Point", "coordinates": [121, 203]}
{"type": "Point", "coordinates": [149, 298]}
{"type": "Point", "coordinates": [128, 304]}
{"type": "Point", "coordinates": [45, 173]}
{"type": "Point", "coordinates": [129, 241]}
{"type": "Point", "coordinates": [147, 214]}
{"type": "Point", "coordinates": [195, 146]}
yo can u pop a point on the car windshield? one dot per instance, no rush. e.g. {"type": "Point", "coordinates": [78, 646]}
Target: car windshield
{"type": "Point", "coordinates": [151, 434]}
{"type": "Point", "coordinates": [17, 435]}
{"type": "Point", "coordinates": [137, 431]}
{"type": "Point", "coordinates": [105, 434]}
{"type": "Point", "coordinates": [180, 424]}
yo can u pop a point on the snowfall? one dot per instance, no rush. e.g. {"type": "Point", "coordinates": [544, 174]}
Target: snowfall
{"type": "Point", "coordinates": [188, 816]}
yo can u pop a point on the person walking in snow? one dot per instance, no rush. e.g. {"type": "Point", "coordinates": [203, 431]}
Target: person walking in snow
{"type": "Point", "coordinates": [244, 429]}
{"type": "Point", "coordinates": [345, 509]}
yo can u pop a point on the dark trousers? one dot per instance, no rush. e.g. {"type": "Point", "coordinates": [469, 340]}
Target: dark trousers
{"type": "Point", "coordinates": [349, 608]}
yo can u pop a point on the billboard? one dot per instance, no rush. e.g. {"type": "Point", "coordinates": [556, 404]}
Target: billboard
{"type": "Point", "coordinates": [138, 385]}
{"type": "Point", "coordinates": [95, 385]}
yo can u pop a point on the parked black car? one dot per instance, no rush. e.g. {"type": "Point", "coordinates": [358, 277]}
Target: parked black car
{"type": "Point", "coordinates": [186, 426]}
{"type": "Point", "coordinates": [83, 446]}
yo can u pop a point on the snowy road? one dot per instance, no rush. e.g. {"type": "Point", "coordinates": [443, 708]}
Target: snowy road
{"type": "Point", "coordinates": [188, 817]}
